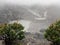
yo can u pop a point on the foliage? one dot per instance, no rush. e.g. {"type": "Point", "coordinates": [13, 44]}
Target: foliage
{"type": "Point", "coordinates": [11, 31]}
{"type": "Point", "coordinates": [52, 33]}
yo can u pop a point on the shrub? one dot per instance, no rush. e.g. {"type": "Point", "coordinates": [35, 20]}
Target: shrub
{"type": "Point", "coordinates": [11, 32]}
{"type": "Point", "coordinates": [52, 33]}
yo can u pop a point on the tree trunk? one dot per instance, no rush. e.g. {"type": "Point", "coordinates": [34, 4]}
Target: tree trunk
{"type": "Point", "coordinates": [8, 42]}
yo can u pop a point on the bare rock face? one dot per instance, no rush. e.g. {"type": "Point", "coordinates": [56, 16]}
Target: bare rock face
{"type": "Point", "coordinates": [2, 42]}
{"type": "Point", "coordinates": [30, 40]}
{"type": "Point", "coordinates": [8, 13]}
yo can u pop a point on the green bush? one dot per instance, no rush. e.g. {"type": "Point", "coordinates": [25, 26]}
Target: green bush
{"type": "Point", "coordinates": [11, 32]}
{"type": "Point", "coordinates": [52, 33]}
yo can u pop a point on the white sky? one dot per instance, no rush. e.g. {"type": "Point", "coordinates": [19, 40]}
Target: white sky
{"type": "Point", "coordinates": [31, 2]}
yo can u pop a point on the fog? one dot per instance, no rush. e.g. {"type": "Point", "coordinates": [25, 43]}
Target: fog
{"type": "Point", "coordinates": [31, 2]}
{"type": "Point", "coordinates": [27, 10]}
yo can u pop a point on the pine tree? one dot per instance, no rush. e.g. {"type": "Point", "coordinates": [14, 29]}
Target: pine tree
{"type": "Point", "coordinates": [52, 33]}
{"type": "Point", "coordinates": [11, 32]}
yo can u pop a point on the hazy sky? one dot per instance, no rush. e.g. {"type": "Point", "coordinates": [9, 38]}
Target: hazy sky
{"type": "Point", "coordinates": [31, 2]}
